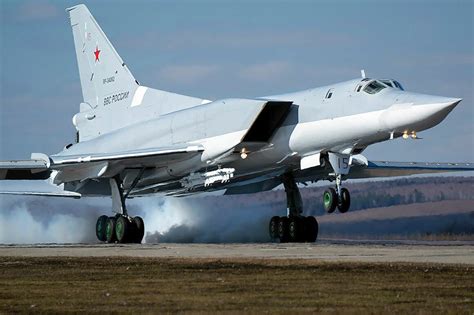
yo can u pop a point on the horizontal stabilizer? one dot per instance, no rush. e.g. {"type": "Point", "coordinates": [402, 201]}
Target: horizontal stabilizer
{"type": "Point", "coordinates": [36, 168]}
{"type": "Point", "coordinates": [35, 188]}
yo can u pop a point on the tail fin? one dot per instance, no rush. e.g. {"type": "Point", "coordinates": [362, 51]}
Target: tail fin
{"type": "Point", "coordinates": [105, 79]}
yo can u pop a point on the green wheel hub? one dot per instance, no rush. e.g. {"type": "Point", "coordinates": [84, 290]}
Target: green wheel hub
{"type": "Point", "coordinates": [120, 229]}
{"type": "Point", "coordinates": [100, 228]}
{"type": "Point", "coordinates": [109, 231]}
{"type": "Point", "coordinates": [330, 200]}
{"type": "Point", "coordinates": [327, 199]}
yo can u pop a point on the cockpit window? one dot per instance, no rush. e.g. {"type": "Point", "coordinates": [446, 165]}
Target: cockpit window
{"type": "Point", "coordinates": [392, 83]}
{"type": "Point", "coordinates": [388, 82]}
{"type": "Point", "coordinates": [329, 93]}
{"type": "Point", "coordinates": [398, 85]}
{"type": "Point", "coordinates": [374, 87]}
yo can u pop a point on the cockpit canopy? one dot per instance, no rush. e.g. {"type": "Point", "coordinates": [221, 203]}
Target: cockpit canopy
{"type": "Point", "coordinates": [371, 86]}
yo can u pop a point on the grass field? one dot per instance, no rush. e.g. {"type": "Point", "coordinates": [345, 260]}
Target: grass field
{"type": "Point", "coordinates": [202, 285]}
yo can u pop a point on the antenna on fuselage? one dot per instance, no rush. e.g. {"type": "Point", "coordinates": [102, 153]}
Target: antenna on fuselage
{"type": "Point", "coordinates": [362, 73]}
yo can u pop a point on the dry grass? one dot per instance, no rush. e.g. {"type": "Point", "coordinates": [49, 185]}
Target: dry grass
{"type": "Point", "coordinates": [94, 285]}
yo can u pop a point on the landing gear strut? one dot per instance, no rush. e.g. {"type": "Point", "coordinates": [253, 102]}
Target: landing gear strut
{"type": "Point", "coordinates": [120, 228]}
{"type": "Point", "coordinates": [294, 227]}
{"type": "Point", "coordinates": [338, 197]}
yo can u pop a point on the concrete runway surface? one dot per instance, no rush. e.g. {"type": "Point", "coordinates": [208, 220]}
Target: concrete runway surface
{"type": "Point", "coordinates": [446, 252]}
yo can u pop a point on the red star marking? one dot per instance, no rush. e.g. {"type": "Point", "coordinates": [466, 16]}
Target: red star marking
{"type": "Point", "coordinates": [97, 53]}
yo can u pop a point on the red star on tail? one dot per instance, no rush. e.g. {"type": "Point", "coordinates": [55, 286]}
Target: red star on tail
{"type": "Point", "coordinates": [97, 53]}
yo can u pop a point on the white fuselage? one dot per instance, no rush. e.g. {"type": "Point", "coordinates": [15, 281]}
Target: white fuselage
{"type": "Point", "coordinates": [346, 121]}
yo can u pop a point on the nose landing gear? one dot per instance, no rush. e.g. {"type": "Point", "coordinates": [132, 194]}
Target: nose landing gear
{"type": "Point", "coordinates": [339, 197]}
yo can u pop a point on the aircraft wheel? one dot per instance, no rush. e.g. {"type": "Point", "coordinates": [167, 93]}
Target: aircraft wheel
{"type": "Point", "coordinates": [330, 200]}
{"type": "Point", "coordinates": [295, 229]}
{"type": "Point", "coordinates": [273, 227]}
{"type": "Point", "coordinates": [312, 229]}
{"type": "Point", "coordinates": [139, 229]}
{"type": "Point", "coordinates": [110, 235]}
{"type": "Point", "coordinates": [123, 230]}
{"type": "Point", "coordinates": [283, 229]}
{"type": "Point", "coordinates": [345, 201]}
{"type": "Point", "coordinates": [100, 228]}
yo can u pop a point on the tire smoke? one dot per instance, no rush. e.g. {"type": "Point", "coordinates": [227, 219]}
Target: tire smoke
{"type": "Point", "coordinates": [33, 220]}
{"type": "Point", "coordinates": [195, 220]}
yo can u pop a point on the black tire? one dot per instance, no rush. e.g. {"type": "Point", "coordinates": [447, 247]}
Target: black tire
{"type": "Point", "coordinates": [312, 229]}
{"type": "Point", "coordinates": [330, 200]}
{"type": "Point", "coordinates": [123, 230]}
{"type": "Point", "coordinates": [110, 236]}
{"type": "Point", "coordinates": [100, 227]}
{"type": "Point", "coordinates": [345, 201]}
{"type": "Point", "coordinates": [295, 230]}
{"type": "Point", "coordinates": [283, 229]}
{"type": "Point", "coordinates": [139, 230]}
{"type": "Point", "coordinates": [273, 227]}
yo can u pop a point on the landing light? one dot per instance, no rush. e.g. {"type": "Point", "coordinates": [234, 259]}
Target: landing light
{"type": "Point", "coordinates": [413, 135]}
{"type": "Point", "coordinates": [243, 153]}
{"type": "Point", "coordinates": [405, 134]}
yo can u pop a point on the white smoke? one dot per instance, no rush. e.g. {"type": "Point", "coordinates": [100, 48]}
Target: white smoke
{"type": "Point", "coordinates": [194, 220]}
{"type": "Point", "coordinates": [19, 226]}
{"type": "Point", "coordinates": [32, 220]}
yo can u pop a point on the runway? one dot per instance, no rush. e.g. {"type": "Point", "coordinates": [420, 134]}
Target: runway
{"type": "Point", "coordinates": [445, 252]}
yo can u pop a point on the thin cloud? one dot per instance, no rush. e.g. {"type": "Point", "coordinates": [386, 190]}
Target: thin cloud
{"type": "Point", "coordinates": [37, 10]}
{"type": "Point", "coordinates": [266, 71]}
{"type": "Point", "coordinates": [182, 39]}
{"type": "Point", "coordinates": [436, 60]}
{"type": "Point", "coordinates": [186, 74]}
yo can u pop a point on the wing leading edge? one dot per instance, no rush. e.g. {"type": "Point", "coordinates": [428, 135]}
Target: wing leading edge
{"type": "Point", "coordinates": [394, 169]}
{"type": "Point", "coordinates": [40, 166]}
{"type": "Point", "coordinates": [371, 169]}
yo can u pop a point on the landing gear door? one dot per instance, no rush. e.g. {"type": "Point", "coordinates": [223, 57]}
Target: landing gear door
{"type": "Point", "coordinates": [340, 162]}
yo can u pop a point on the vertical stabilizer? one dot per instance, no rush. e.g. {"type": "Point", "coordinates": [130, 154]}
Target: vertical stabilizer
{"type": "Point", "coordinates": [105, 79]}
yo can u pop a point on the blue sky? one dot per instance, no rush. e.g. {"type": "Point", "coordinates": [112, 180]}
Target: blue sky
{"type": "Point", "coordinates": [215, 49]}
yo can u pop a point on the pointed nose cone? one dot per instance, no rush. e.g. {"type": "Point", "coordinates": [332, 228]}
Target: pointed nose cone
{"type": "Point", "coordinates": [454, 102]}
{"type": "Point", "coordinates": [418, 112]}
{"type": "Point", "coordinates": [445, 104]}
{"type": "Point", "coordinates": [433, 112]}
{"type": "Point", "coordinates": [441, 107]}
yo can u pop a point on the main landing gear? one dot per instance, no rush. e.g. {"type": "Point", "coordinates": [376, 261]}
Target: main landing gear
{"type": "Point", "coordinates": [120, 228]}
{"type": "Point", "coordinates": [294, 227]}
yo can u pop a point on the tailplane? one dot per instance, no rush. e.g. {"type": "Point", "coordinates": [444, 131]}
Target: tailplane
{"type": "Point", "coordinates": [105, 79]}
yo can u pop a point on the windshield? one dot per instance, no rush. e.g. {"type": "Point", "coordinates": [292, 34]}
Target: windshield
{"type": "Point", "coordinates": [398, 85]}
{"type": "Point", "coordinates": [374, 87]}
{"type": "Point", "coordinates": [387, 82]}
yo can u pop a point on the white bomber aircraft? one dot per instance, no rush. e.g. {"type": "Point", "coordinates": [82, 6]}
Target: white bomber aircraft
{"type": "Point", "coordinates": [135, 141]}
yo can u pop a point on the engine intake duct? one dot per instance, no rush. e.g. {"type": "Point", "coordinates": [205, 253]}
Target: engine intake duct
{"type": "Point", "coordinates": [266, 123]}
